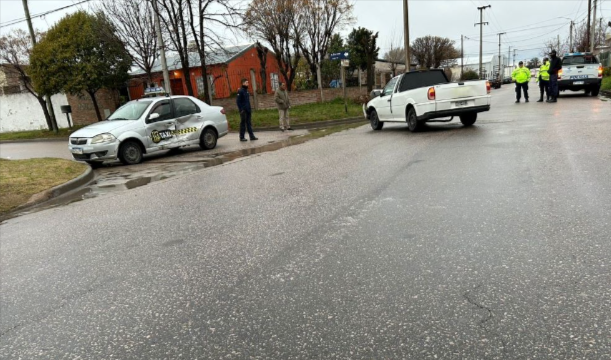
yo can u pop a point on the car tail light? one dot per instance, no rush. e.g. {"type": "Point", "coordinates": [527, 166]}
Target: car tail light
{"type": "Point", "coordinates": [431, 93]}
{"type": "Point", "coordinates": [488, 86]}
{"type": "Point", "coordinates": [600, 71]}
{"type": "Point", "coordinates": [223, 111]}
{"type": "Point", "coordinates": [559, 74]}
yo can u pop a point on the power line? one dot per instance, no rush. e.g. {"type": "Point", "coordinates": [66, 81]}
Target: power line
{"type": "Point", "coordinates": [17, 21]}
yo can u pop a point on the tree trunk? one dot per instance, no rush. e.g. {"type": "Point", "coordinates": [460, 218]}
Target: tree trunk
{"type": "Point", "coordinates": [43, 105]}
{"type": "Point", "coordinates": [187, 77]}
{"type": "Point", "coordinates": [95, 104]}
{"type": "Point", "coordinates": [370, 79]}
{"type": "Point", "coordinates": [51, 112]}
{"type": "Point", "coordinates": [206, 81]}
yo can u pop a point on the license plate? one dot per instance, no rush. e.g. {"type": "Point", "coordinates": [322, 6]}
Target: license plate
{"type": "Point", "coordinates": [77, 150]}
{"type": "Point", "coordinates": [578, 82]}
{"type": "Point", "coordinates": [461, 103]}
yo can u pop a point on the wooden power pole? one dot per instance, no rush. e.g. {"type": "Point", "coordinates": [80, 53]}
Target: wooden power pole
{"type": "Point", "coordinates": [481, 24]}
{"type": "Point", "coordinates": [406, 36]}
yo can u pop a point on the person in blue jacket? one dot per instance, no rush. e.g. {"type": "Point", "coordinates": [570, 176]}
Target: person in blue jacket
{"type": "Point", "coordinates": [243, 101]}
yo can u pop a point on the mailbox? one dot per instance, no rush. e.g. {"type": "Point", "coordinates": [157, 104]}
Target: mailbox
{"type": "Point", "coordinates": [66, 109]}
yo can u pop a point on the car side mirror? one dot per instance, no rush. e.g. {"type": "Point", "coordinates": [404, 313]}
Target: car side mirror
{"type": "Point", "coordinates": [153, 116]}
{"type": "Point", "coordinates": [376, 93]}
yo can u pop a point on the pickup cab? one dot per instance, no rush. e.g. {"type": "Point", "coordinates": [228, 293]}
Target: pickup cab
{"type": "Point", "coordinates": [580, 71]}
{"type": "Point", "coordinates": [422, 96]}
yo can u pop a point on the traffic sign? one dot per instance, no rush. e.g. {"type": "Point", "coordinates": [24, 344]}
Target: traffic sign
{"type": "Point", "coordinates": [345, 62]}
{"type": "Point", "coordinates": [339, 56]}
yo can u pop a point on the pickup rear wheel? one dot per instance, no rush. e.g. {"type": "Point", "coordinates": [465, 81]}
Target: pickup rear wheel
{"type": "Point", "coordinates": [412, 121]}
{"type": "Point", "coordinates": [468, 119]}
{"type": "Point", "coordinates": [374, 120]}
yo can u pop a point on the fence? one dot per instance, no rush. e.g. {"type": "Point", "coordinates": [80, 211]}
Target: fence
{"type": "Point", "coordinates": [22, 111]}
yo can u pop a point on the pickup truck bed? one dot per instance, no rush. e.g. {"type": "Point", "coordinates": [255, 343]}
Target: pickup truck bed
{"type": "Point", "coordinates": [420, 96]}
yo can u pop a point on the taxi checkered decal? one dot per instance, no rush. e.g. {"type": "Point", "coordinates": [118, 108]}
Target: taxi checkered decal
{"type": "Point", "coordinates": [157, 136]}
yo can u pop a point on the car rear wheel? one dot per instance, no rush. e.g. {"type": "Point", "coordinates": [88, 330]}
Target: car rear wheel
{"type": "Point", "coordinates": [208, 138]}
{"type": "Point", "coordinates": [587, 91]}
{"type": "Point", "coordinates": [595, 91]}
{"type": "Point", "coordinates": [374, 120]}
{"type": "Point", "coordinates": [468, 119]}
{"type": "Point", "coordinates": [412, 121]}
{"type": "Point", "coordinates": [130, 153]}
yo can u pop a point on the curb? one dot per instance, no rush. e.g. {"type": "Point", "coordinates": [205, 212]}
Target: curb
{"type": "Point", "coordinates": [33, 140]}
{"type": "Point", "coordinates": [606, 93]}
{"type": "Point", "coordinates": [53, 192]}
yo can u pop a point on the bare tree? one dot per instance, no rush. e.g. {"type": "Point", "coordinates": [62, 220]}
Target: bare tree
{"type": "Point", "coordinates": [172, 14]}
{"type": "Point", "coordinates": [202, 14]}
{"type": "Point", "coordinates": [321, 18]}
{"type": "Point", "coordinates": [434, 51]}
{"type": "Point", "coordinates": [396, 53]}
{"type": "Point", "coordinates": [279, 23]}
{"type": "Point", "coordinates": [15, 49]}
{"type": "Point", "coordinates": [262, 52]}
{"type": "Point", "coordinates": [133, 21]}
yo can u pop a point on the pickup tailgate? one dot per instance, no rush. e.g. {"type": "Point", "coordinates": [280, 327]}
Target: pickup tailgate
{"type": "Point", "coordinates": [461, 95]}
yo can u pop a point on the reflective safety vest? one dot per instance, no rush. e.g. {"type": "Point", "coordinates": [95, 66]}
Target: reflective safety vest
{"type": "Point", "coordinates": [521, 75]}
{"type": "Point", "coordinates": [544, 72]}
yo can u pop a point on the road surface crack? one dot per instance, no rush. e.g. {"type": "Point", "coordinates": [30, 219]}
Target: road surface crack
{"type": "Point", "coordinates": [488, 317]}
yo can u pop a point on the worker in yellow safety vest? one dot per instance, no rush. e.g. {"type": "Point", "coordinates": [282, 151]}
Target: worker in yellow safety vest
{"type": "Point", "coordinates": [521, 76]}
{"type": "Point", "coordinates": [543, 79]}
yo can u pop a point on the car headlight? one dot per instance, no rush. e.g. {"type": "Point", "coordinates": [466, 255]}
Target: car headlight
{"type": "Point", "coordinates": [103, 138]}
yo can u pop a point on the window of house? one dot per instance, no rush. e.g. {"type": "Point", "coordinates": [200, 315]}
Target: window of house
{"type": "Point", "coordinates": [275, 81]}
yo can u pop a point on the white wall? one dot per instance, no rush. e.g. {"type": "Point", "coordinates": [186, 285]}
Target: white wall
{"type": "Point", "coordinates": [23, 112]}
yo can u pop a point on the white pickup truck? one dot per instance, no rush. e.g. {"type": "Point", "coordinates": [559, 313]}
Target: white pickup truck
{"type": "Point", "coordinates": [580, 71]}
{"type": "Point", "coordinates": [421, 96]}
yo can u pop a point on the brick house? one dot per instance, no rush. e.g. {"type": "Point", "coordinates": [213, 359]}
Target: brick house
{"type": "Point", "coordinates": [225, 70]}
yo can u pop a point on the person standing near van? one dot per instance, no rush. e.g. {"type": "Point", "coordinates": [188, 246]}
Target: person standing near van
{"type": "Point", "coordinates": [243, 102]}
{"type": "Point", "coordinates": [521, 76]}
{"type": "Point", "coordinates": [555, 65]}
{"type": "Point", "coordinates": [543, 79]}
{"type": "Point", "coordinates": [283, 103]}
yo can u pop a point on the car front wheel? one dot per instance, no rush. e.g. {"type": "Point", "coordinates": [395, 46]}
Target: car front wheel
{"type": "Point", "coordinates": [374, 120]}
{"type": "Point", "coordinates": [130, 153]}
{"type": "Point", "coordinates": [207, 139]}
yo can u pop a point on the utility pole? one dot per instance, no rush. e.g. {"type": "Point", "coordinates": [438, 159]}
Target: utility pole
{"type": "Point", "coordinates": [406, 36]}
{"type": "Point", "coordinates": [462, 56]}
{"type": "Point", "coordinates": [500, 61]}
{"type": "Point", "coordinates": [559, 52]}
{"type": "Point", "coordinates": [571, 37]}
{"type": "Point", "coordinates": [588, 26]}
{"type": "Point", "coordinates": [481, 24]}
{"type": "Point", "coordinates": [26, 10]}
{"type": "Point", "coordinates": [593, 36]}
{"type": "Point", "coordinates": [164, 64]}
{"type": "Point", "coordinates": [508, 58]}
{"type": "Point", "coordinates": [513, 64]}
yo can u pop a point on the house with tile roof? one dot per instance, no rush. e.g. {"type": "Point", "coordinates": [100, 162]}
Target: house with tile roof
{"type": "Point", "coordinates": [225, 69]}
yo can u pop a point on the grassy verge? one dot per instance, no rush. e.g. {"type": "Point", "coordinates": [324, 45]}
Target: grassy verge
{"type": "Point", "coordinates": [20, 179]}
{"type": "Point", "coordinates": [300, 114]}
{"type": "Point", "coordinates": [38, 134]}
{"type": "Point", "coordinates": [606, 85]}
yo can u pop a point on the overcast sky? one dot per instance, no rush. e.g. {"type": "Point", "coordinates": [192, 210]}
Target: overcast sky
{"type": "Point", "coordinates": [527, 23]}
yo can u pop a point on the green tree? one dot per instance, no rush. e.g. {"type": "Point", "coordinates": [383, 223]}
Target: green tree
{"type": "Point", "coordinates": [329, 69]}
{"type": "Point", "coordinates": [81, 53]}
{"type": "Point", "coordinates": [533, 63]}
{"type": "Point", "coordinates": [363, 49]}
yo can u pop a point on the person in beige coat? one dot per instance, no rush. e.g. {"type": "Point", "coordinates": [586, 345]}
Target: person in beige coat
{"type": "Point", "coordinates": [284, 104]}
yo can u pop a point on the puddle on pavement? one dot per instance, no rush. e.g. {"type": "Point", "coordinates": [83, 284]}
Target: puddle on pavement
{"type": "Point", "coordinates": [113, 179]}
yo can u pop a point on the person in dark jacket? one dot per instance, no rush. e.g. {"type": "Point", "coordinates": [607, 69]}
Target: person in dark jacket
{"type": "Point", "coordinates": [555, 65]}
{"type": "Point", "coordinates": [243, 102]}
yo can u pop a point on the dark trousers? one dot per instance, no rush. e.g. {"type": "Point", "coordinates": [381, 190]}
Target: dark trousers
{"type": "Point", "coordinates": [553, 85]}
{"type": "Point", "coordinates": [524, 87]}
{"type": "Point", "coordinates": [544, 87]}
{"type": "Point", "coordinates": [246, 124]}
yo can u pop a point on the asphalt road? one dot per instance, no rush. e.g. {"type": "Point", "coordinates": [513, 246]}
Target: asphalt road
{"type": "Point", "coordinates": [489, 242]}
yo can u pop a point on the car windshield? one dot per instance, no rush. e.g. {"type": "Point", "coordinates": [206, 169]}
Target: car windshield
{"type": "Point", "coordinates": [130, 111]}
{"type": "Point", "coordinates": [579, 60]}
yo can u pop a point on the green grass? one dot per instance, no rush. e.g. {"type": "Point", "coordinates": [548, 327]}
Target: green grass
{"type": "Point", "coordinates": [20, 179]}
{"type": "Point", "coordinates": [300, 114]}
{"type": "Point", "coordinates": [606, 85]}
{"type": "Point", "coordinates": [38, 134]}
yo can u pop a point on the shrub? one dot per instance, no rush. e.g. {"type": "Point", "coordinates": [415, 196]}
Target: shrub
{"type": "Point", "coordinates": [607, 71]}
{"type": "Point", "coordinates": [469, 75]}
